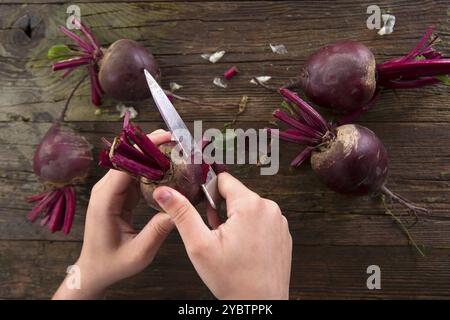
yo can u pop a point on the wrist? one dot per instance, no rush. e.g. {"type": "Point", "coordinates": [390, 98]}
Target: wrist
{"type": "Point", "coordinates": [81, 283]}
{"type": "Point", "coordinates": [92, 280]}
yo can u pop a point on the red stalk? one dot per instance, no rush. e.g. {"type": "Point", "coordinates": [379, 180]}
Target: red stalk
{"type": "Point", "coordinates": [95, 92]}
{"type": "Point", "coordinates": [83, 44]}
{"type": "Point", "coordinates": [416, 51]}
{"type": "Point", "coordinates": [292, 137]}
{"type": "Point", "coordinates": [36, 197]}
{"type": "Point", "coordinates": [71, 63]}
{"type": "Point", "coordinates": [104, 160]}
{"type": "Point", "coordinates": [310, 115]}
{"type": "Point", "coordinates": [413, 69]}
{"type": "Point", "coordinates": [147, 146]}
{"type": "Point", "coordinates": [89, 35]}
{"type": "Point", "coordinates": [136, 168]}
{"type": "Point", "coordinates": [303, 129]}
{"type": "Point", "coordinates": [302, 156]}
{"type": "Point", "coordinates": [129, 151]}
{"type": "Point", "coordinates": [56, 213]}
{"type": "Point", "coordinates": [46, 202]}
{"type": "Point", "coordinates": [69, 193]}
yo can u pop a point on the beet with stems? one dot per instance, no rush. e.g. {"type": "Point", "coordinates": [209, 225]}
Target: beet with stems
{"type": "Point", "coordinates": [117, 71]}
{"type": "Point", "coordinates": [345, 77]}
{"type": "Point", "coordinates": [152, 165]}
{"type": "Point", "coordinates": [62, 160]}
{"type": "Point", "coordinates": [349, 159]}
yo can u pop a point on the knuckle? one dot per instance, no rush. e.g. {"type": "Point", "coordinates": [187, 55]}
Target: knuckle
{"type": "Point", "coordinates": [253, 198]}
{"type": "Point", "coordinates": [272, 207]}
{"type": "Point", "coordinates": [285, 222]}
{"type": "Point", "coordinates": [159, 228]}
{"type": "Point", "coordinates": [95, 189]}
{"type": "Point", "coordinates": [181, 212]}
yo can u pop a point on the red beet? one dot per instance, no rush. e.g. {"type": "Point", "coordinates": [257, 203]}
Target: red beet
{"type": "Point", "coordinates": [152, 165]}
{"type": "Point", "coordinates": [62, 159]}
{"type": "Point", "coordinates": [340, 76]}
{"type": "Point", "coordinates": [122, 70]}
{"type": "Point", "coordinates": [349, 159]}
{"type": "Point", "coordinates": [345, 78]}
{"type": "Point", "coordinates": [117, 71]}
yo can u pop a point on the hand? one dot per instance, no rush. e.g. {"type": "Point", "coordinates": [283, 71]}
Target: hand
{"type": "Point", "coordinates": [112, 249]}
{"type": "Point", "coordinates": [248, 256]}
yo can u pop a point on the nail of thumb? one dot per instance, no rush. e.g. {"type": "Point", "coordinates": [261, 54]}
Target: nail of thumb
{"type": "Point", "coordinates": [162, 196]}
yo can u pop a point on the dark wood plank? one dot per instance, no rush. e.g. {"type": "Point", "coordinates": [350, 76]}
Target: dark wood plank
{"type": "Point", "coordinates": [319, 272]}
{"type": "Point", "coordinates": [335, 237]}
{"type": "Point", "coordinates": [32, 91]}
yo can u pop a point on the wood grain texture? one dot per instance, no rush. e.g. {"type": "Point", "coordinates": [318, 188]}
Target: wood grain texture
{"type": "Point", "coordinates": [335, 237]}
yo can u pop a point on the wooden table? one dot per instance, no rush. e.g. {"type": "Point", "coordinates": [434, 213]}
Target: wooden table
{"type": "Point", "coordinates": [335, 237]}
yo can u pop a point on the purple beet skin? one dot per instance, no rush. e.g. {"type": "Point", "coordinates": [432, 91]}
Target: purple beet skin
{"type": "Point", "coordinates": [349, 159]}
{"type": "Point", "coordinates": [340, 76]}
{"type": "Point", "coordinates": [62, 159]}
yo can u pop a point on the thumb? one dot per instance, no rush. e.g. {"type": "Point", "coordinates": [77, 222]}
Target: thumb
{"type": "Point", "coordinates": [188, 221]}
{"type": "Point", "coordinates": [153, 234]}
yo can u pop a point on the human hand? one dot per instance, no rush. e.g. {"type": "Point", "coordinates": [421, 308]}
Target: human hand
{"type": "Point", "coordinates": [112, 248]}
{"type": "Point", "coordinates": [248, 256]}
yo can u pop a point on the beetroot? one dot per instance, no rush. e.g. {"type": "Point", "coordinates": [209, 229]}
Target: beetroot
{"type": "Point", "coordinates": [152, 165]}
{"type": "Point", "coordinates": [349, 159]}
{"type": "Point", "coordinates": [62, 160]}
{"type": "Point", "coordinates": [340, 76]}
{"type": "Point", "coordinates": [117, 71]}
{"type": "Point", "coordinates": [345, 77]}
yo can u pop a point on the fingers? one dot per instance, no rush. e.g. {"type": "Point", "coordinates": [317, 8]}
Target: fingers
{"type": "Point", "coordinates": [233, 191]}
{"type": "Point", "coordinates": [160, 136]}
{"type": "Point", "coordinates": [114, 183]}
{"type": "Point", "coordinates": [151, 237]}
{"type": "Point", "coordinates": [188, 221]}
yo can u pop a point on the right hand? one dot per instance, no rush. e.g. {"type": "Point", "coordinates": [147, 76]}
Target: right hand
{"type": "Point", "coordinates": [248, 256]}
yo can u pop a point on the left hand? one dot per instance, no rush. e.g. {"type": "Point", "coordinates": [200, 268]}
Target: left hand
{"type": "Point", "coordinates": [112, 249]}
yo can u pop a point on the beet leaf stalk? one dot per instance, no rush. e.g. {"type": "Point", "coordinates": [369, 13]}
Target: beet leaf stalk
{"type": "Point", "coordinates": [349, 158]}
{"type": "Point", "coordinates": [86, 52]}
{"type": "Point", "coordinates": [422, 66]}
{"type": "Point", "coordinates": [144, 161]}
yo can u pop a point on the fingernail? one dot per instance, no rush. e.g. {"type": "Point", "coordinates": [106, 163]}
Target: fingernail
{"type": "Point", "coordinates": [162, 196]}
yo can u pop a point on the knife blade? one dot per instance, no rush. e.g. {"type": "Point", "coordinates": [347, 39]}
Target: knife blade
{"type": "Point", "coordinates": [182, 135]}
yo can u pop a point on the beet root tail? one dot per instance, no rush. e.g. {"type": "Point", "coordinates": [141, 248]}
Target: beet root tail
{"type": "Point", "coordinates": [416, 210]}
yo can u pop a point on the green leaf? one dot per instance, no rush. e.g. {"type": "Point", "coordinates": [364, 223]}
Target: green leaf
{"type": "Point", "coordinates": [59, 52]}
{"type": "Point", "coordinates": [445, 79]}
{"type": "Point", "coordinates": [419, 58]}
{"type": "Point", "coordinates": [287, 107]}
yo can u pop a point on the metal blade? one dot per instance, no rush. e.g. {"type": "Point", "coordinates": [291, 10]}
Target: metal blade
{"type": "Point", "coordinates": [181, 134]}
